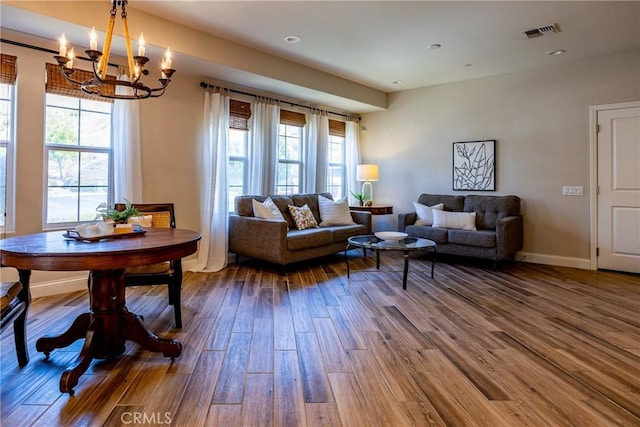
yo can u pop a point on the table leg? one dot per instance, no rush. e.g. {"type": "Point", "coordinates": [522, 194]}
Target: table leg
{"type": "Point", "coordinates": [433, 261]}
{"type": "Point", "coordinates": [346, 257]}
{"type": "Point", "coordinates": [406, 270]}
{"type": "Point", "coordinates": [76, 331]}
{"type": "Point", "coordinates": [69, 378]}
{"type": "Point", "coordinates": [377, 259]}
{"type": "Point", "coordinates": [134, 330]}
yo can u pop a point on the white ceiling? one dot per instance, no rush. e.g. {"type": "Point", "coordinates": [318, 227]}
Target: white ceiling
{"type": "Point", "coordinates": [376, 43]}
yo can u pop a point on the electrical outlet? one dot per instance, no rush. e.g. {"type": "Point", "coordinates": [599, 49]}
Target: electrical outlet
{"type": "Point", "coordinates": [572, 190]}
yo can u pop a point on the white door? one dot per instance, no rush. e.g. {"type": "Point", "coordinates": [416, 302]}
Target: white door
{"type": "Point", "coordinates": [618, 191]}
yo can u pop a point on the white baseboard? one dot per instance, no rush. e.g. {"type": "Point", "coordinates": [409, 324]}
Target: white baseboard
{"type": "Point", "coordinates": [583, 263]}
{"type": "Point", "coordinates": [55, 287]}
{"type": "Point", "coordinates": [42, 284]}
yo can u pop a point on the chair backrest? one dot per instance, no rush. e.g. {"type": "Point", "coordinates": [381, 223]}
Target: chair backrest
{"type": "Point", "coordinates": [163, 214]}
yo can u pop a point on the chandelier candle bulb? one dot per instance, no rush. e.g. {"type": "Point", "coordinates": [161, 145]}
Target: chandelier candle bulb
{"type": "Point", "coordinates": [93, 39]}
{"type": "Point", "coordinates": [141, 49]}
{"type": "Point", "coordinates": [167, 60]}
{"type": "Point", "coordinates": [63, 45]}
{"type": "Point", "coordinates": [71, 54]}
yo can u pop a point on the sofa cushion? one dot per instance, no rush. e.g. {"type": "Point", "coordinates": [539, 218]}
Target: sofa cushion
{"type": "Point", "coordinates": [309, 238]}
{"type": "Point", "coordinates": [283, 202]}
{"type": "Point", "coordinates": [310, 200]}
{"type": "Point", "coordinates": [342, 232]}
{"type": "Point", "coordinates": [451, 202]}
{"type": "Point", "coordinates": [334, 213]}
{"type": "Point", "coordinates": [425, 216]}
{"type": "Point", "coordinates": [489, 209]}
{"type": "Point", "coordinates": [455, 220]}
{"type": "Point", "coordinates": [438, 235]}
{"type": "Point", "coordinates": [483, 238]}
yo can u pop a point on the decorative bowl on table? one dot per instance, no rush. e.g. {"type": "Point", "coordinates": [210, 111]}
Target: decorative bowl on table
{"type": "Point", "coordinates": [390, 235]}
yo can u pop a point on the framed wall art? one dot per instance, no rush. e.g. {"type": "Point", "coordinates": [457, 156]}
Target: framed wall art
{"type": "Point", "coordinates": [474, 165]}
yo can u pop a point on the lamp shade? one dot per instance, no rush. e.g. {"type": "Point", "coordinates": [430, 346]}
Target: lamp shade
{"type": "Point", "coordinates": [367, 173]}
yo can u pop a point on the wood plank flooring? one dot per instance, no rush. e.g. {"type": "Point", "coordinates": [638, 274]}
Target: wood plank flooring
{"type": "Point", "coordinates": [524, 345]}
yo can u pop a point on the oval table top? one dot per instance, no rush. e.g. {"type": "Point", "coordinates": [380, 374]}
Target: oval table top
{"type": "Point", "coordinates": [54, 252]}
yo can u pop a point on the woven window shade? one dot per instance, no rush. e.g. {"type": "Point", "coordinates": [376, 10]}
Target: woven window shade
{"type": "Point", "coordinates": [337, 128]}
{"type": "Point", "coordinates": [8, 72]}
{"type": "Point", "coordinates": [239, 114]}
{"type": "Point", "coordinates": [292, 118]}
{"type": "Point", "coordinates": [57, 84]}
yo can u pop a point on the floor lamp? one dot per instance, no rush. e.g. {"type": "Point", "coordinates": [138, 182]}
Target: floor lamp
{"type": "Point", "coordinates": [367, 173]}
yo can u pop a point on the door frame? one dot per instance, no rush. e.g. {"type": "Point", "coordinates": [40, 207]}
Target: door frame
{"type": "Point", "coordinates": [593, 174]}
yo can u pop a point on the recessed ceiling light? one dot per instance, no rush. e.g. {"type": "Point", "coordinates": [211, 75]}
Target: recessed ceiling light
{"type": "Point", "coordinates": [434, 46]}
{"type": "Point", "coordinates": [556, 52]}
{"type": "Point", "coordinates": [398, 82]}
{"type": "Point", "coordinates": [292, 39]}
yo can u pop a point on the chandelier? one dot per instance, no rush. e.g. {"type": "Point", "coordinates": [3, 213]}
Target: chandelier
{"type": "Point", "coordinates": [100, 60]}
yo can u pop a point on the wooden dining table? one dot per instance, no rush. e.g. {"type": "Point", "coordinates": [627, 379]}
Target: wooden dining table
{"type": "Point", "coordinates": [108, 323]}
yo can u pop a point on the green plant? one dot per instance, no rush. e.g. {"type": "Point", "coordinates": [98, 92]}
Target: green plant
{"type": "Point", "coordinates": [359, 197]}
{"type": "Point", "coordinates": [119, 217]}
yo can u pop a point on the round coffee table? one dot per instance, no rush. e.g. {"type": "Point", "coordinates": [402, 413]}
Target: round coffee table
{"type": "Point", "coordinates": [406, 245]}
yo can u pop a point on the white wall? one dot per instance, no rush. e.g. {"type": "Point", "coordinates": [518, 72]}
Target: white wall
{"type": "Point", "coordinates": [540, 120]}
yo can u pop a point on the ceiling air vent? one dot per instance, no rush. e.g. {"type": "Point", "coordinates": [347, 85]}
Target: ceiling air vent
{"type": "Point", "coordinates": [541, 31]}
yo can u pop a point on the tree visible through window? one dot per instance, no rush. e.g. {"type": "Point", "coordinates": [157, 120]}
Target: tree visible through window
{"type": "Point", "coordinates": [78, 156]}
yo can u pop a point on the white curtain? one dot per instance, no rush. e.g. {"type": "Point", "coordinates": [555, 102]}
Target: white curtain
{"type": "Point", "coordinates": [213, 248]}
{"type": "Point", "coordinates": [263, 146]}
{"type": "Point", "coordinates": [316, 152]}
{"type": "Point", "coordinates": [352, 157]}
{"type": "Point", "coordinates": [127, 166]}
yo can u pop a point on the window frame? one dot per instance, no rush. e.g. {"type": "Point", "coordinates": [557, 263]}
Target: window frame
{"type": "Point", "coordinates": [299, 161]}
{"type": "Point", "coordinates": [8, 224]}
{"type": "Point", "coordinates": [80, 149]}
{"type": "Point", "coordinates": [342, 166]}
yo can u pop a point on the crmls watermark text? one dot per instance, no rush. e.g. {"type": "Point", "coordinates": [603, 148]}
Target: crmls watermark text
{"type": "Point", "coordinates": [145, 418]}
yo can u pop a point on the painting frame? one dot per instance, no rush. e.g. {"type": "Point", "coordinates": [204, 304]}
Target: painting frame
{"type": "Point", "coordinates": [474, 165]}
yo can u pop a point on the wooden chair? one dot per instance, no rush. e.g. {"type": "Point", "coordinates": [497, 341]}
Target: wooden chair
{"type": "Point", "coordinates": [169, 273]}
{"type": "Point", "coordinates": [14, 304]}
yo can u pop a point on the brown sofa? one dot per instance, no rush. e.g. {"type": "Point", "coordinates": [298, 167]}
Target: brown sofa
{"type": "Point", "coordinates": [281, 242]}
{"type": "Point", "coordinates": [498, 222]}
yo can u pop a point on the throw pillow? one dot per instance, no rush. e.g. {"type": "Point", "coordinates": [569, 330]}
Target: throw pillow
{"type": "Point", "coordinates": [424, 212]}
{"type": "Point", "coordinates": [303, 217]}
{"type": "Point", "coordinates": [334, 213]}
{"type": "Point", "coordinates": [455, 220]}
{"type": "Point", "coordinates": [266, 210]}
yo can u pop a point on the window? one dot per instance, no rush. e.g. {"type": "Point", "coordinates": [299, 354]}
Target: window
{"type": "Point", "coordinates": [239, 114]}
{"type": "Point", "coordinates": [289, 173]}
{"type": "Point", "coordinates": [78, 157]}
{"type": "Point", "coordinates": [337, 167]}
{"type": "Point", "coordinates": [8, 76]}
{"type": "Point", "coordinates": [237, 172]}
{"type": "Point", "coordinates": [6, 154]}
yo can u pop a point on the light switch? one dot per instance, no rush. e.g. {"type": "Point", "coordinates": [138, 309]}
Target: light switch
{"type": "Point", "coordinates": [572, 190]}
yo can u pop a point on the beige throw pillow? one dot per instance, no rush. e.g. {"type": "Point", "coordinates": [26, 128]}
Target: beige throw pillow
{"type": "Point", "coordinates": [334, 213]}
{"type": "Point", "coordinates": [266, 210]}
{"type": "Point", "coordinates": [455, 220]}
{"type": "Point", "coordinates": [425, 214]}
